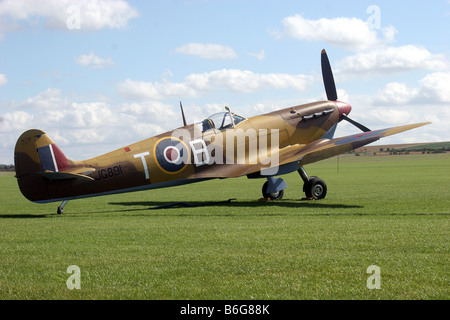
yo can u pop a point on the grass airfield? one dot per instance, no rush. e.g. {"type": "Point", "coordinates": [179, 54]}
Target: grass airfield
{"type": "Point", "coordinates": [388, 211]}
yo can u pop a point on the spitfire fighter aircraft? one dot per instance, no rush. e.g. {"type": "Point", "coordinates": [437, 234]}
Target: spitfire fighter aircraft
{"type": "Point", "coordinates": [224, 145]}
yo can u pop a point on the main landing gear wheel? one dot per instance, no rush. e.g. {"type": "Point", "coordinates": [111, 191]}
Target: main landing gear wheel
{"type": "Point", "coordinates": [272, 196]}
{"type": "Point", "coordinates": [315, 188]}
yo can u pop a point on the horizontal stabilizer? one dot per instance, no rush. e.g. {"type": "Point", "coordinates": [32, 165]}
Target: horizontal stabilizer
{"type": "Point", "coordinates": [50, 175]}
{"type": "Point", "coordinates": [80, 170]}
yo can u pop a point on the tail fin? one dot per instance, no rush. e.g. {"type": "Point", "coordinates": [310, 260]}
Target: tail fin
{"type": "Point", "coordinates": [34, 153]}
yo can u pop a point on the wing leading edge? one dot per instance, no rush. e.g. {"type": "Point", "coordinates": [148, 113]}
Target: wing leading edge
{"type": "Point", "coordinates": [292, 157]}
{"type": "Point", "coordinates": [324, 148]}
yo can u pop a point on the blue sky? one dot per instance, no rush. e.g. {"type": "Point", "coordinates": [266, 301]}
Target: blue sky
{"type": "Point", "coordinates": [97, 75]}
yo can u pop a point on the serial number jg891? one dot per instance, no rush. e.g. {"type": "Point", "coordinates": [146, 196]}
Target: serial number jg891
{"type": "Point", "coordinates": [109, 172]}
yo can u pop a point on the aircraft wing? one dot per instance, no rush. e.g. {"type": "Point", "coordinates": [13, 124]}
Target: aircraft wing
{"type": "Point", "coordinates": [325, 148]}
{"type": "Point", "coordinates": [292, 157]}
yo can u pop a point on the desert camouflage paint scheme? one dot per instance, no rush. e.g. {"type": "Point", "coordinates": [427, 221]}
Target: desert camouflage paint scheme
{"type": "Point", "coordinates": [224, 145]}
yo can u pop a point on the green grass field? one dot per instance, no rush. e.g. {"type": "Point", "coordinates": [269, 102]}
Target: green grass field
{"type": "Point", "coordinates": [391, 211]}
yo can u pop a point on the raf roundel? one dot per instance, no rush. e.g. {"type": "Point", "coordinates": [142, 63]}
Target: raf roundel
{"type": "Point", "coordinates": [171, 155]}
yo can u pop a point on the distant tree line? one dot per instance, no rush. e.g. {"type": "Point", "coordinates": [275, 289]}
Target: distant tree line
{"type": "Point", "coordinates": [7, 167]}
{"type": "Point", "coordinates": [423, 150]}
{"type": "Point", "coordinates": [438, 147]}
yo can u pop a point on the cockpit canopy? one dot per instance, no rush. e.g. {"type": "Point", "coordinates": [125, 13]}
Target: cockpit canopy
{"type": "Point", "coordinates": [220, 121]}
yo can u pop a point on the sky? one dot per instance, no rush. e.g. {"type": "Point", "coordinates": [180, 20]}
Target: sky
{"type": "Point", "coordinates": [97, 75]}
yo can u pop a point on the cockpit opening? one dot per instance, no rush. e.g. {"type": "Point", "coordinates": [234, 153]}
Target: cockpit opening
{"type": "Point", "coordinates": [220, 121]}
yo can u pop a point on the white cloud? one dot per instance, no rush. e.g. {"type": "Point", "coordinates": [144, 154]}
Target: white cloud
{"type": "Point", "coordinates": [436, 87]}
{"type": "Point", "coordinates": [16, 120]}
{"type": "Point", "coordinates": [375, 56]}
{"type": "Point", "coordinates": [51, 108]}
{"type": "Point", "coordinates": [149, 112]}
{"type": "Point", "coordinates": [399, 104]}
{"type": "Point", "coordinates": [239, 81]}
{"type": "Point", "coordinates": [50, 99]}
{"type": "Point", "coordinates": [396, 93]}
{"type": "Point", "coordinates": [433, 89]}
{"type": "Point", "coordinates": [348, 33]}
{"type": "Point", "coordinates": [391, 60]}
{"type": "Point", "coordinates": [55, 14]}
{"type": "Point", "coordinates": [83, 129]}
{"type": "Point", "coordinates": [207, 51]}
{"type": "Point", "coordinates": [258, 55]}
{"type": "Point", "coordinates": [393, 116]}
{"type": "Point", "coordinates": [3, 79]}
{"type": "Point", "coordinates": [141, 90]}
{"type": "Point", "coordinates": [92, 61]}
{"type": "Point", "coordinates": [88, 115]}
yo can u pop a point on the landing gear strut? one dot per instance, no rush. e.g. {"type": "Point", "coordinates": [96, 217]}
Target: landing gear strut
{"type": "Point", "coordinates": [61, 207]}
{"type": "Point", "coordinates": [313, 187]}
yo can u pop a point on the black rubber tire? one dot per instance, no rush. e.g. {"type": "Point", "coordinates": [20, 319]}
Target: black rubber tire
{"type": "Point", "coordinates": [315, 188]}
{"type": "Point", "coordinates": [305, 186]}
{"type": "Point", "coordinates": [272, 196]}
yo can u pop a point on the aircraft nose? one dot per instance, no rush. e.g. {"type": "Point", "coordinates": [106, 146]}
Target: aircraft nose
{"type": "Point", "coordinates": [344, 108]}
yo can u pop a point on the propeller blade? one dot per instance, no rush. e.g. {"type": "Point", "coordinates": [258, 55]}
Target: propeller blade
{"type": "Point", "coordinates": [330, 88]}
{"type": "Point", "coordinates": [328, 79]}
{"type": "Point", "coordinates": [356, 124]}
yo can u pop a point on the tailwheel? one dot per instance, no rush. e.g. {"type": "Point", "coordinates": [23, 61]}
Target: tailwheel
{"type": "Point", "coordinates": [315, 188]}
{"type": "Point", "coordinates": [272, 196]}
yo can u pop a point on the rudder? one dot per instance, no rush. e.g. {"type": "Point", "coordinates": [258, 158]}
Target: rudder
{"type": "Point", "coordinates": [35, 152]}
